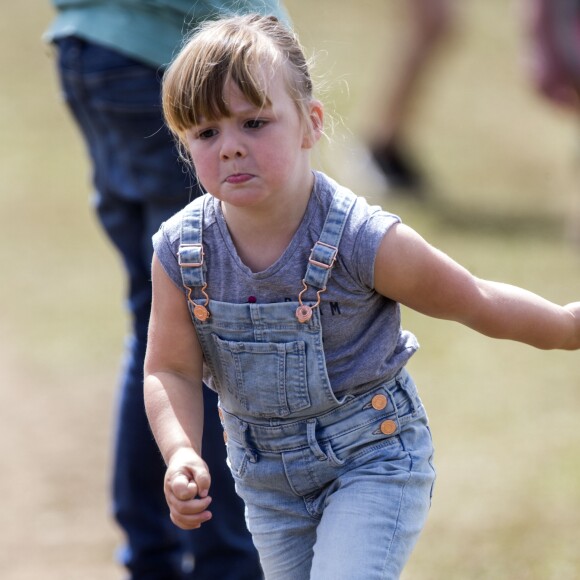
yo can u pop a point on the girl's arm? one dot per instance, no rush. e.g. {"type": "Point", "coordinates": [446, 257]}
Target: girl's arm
{"type": "Point", "coordinates": [412, 272]}
{"type": "Point", "coordinates": [174, 401]}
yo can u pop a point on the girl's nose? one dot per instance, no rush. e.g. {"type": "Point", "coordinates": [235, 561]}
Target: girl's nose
{"type": "Point", "coordinates": [232, 148]}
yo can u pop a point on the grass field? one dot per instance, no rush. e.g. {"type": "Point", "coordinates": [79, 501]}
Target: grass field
{"type": "Point", "coordinates": [504, 416]}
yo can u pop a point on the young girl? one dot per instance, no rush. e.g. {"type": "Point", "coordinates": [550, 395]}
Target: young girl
{"type": "Point", "coordinates": [284, 287]}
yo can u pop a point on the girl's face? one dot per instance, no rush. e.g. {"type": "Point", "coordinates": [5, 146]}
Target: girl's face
{"type": "Point", "coordinates": [257, 156]}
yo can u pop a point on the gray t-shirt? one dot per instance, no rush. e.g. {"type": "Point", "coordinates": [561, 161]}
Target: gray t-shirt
{"type": "Point", "coordinates": [362, 336]}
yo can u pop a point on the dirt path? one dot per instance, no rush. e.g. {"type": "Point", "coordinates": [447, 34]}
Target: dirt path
{"type": "Point", "coordinates": [54, 455]}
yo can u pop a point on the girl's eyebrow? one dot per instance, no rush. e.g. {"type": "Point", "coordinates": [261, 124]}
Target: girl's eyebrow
{"type": "Point", "coordinates": [252, 110]}
{"type": "Point", "coordinates": [248, 108]}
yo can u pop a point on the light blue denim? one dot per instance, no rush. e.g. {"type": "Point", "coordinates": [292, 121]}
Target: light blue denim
{"type": "Point", "coordinates": [327, 494]}
{"type": "Point", "coordinates": [334, 489]}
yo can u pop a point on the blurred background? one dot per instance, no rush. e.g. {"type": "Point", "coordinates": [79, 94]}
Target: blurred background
{"type": "Point", "coordinates": [501, 164]}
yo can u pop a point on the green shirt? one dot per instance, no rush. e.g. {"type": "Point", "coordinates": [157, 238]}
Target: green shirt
{"type": "Point", "coordinates": [151, 31]}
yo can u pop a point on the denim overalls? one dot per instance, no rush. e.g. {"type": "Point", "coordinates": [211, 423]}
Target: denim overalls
{"type": "Point", "coordinates": [334, 489]}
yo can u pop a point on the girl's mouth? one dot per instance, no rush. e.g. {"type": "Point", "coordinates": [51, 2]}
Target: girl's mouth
{"type": "Point", "coordinates": [238, 178]}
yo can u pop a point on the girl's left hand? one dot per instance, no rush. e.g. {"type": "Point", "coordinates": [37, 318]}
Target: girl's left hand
{"type": "Point", "coordinates": [574, 342]}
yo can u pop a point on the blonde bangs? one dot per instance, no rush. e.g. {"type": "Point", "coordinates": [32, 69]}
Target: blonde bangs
{"type": "Point", "coordinates": [193, 86]}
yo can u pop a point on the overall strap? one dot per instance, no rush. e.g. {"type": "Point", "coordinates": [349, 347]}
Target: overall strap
{"type": "Point", "coordinates": [322, 256]}
{"type": "Point", "coordinates": [190, 255]}
{"type": "Point", "coordinates": [325, 250]}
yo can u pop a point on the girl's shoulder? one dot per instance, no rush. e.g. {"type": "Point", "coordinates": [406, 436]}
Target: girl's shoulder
{"type": "Point", "coordinates": [171, 228]}
{"type": "Point", "coordinates": [364, 229]}
{"type": "Point", "coordinates": [364, 218]}
{"type": "Point", "coordinates": [168, 238]}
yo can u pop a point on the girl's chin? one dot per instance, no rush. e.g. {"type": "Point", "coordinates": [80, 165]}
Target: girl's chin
{"type": "Point", "coordinates": [242, 197]}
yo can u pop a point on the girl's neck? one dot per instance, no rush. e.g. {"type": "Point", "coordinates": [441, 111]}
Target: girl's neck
{"type": "Point", "coordinates": [262, 235]}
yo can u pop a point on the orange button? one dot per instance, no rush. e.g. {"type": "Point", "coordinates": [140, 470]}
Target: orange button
{"type": "Point", "coordinates": [220, 414]}
{"type": "Point", "coordinates": [388, 427]}
{"type": "Point", "coordinates": [225, 437]}
{"type": "Point", "coordinates": [379, 402]}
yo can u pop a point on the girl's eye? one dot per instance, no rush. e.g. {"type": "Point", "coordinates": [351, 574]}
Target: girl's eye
{"type": "Point", "coordinates": [206, 134]}
{"type": "Point", "coordinates": [255, 124]}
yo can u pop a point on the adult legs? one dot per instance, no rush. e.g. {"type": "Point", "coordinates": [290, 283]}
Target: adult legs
{"type": "Point", "coordinates": [429, 22]}
{"type": "Point", "coordinates": [138, 184]}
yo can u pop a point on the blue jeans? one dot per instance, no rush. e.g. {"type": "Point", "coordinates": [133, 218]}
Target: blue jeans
{"type": "Point", "coordinates": [138, 183]}
{"type": "Point", "coordinates": [332, 496]}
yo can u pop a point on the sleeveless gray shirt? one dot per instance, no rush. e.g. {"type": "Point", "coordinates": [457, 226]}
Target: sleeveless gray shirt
{"type": "Point", "coordinates": [364, 344]}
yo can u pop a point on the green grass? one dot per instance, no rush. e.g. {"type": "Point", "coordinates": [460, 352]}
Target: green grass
{"type": "Point", "coordinates": [504, 416]}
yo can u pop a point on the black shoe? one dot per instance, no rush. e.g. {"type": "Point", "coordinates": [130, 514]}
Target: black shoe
{"type": "Point", "coordinates": [398, 170]}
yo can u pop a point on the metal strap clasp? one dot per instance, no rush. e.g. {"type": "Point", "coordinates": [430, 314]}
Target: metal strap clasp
{"type": "Point", "coordinates": [326, 252]}
{"type": "Point", "coordinates": [192, 255]}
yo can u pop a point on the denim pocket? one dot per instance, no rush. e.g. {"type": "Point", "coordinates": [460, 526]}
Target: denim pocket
{"type": "Point", "coordinates": [237, 459]}
{"type": "Point", "coordinates": [267, 378]}
{"type": "Point", "coordinates": [404, 399]}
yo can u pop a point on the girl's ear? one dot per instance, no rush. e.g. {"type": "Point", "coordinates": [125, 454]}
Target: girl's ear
{"type": "Point", "coordinates": [315, 124]}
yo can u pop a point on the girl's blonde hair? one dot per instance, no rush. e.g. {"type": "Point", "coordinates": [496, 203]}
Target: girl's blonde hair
{"type": "Point", "coordinates": [247, 50]}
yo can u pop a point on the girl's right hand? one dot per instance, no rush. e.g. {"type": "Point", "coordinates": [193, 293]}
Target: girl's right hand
{"type": "Point", "coordinates": [187, 482]}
